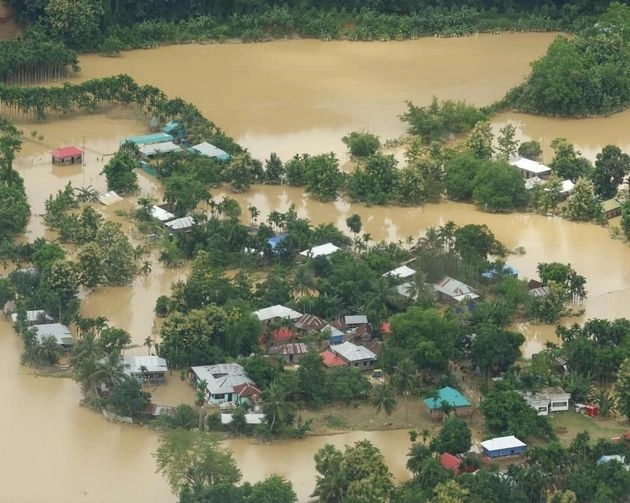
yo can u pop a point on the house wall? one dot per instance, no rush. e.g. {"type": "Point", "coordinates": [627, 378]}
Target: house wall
{"type": "Point", "coordinates": [221, 398]}
{"type": "Point", "coordinates": [150, 377]}
{"type": "Point", "coordinates": [363, 364]}
{"type": "Point", "coordinates": [500, 453]}
{"type": "Point", "coordinates": [559, 403]}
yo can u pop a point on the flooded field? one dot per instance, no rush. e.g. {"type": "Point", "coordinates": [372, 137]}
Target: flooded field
{"type": "Point", "coordinates": [287, 97]}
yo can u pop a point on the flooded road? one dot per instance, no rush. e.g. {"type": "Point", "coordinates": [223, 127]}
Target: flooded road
{"type": "Point", "coordinates": [287, 97]}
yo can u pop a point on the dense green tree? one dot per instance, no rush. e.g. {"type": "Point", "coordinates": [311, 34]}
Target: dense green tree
{"type": "Point", "coordinates": [530, 150]}
{"type": "Point", "coordinates": [460, 174]}
{"type": "Point", "coordinates": [274, 489]}
{"type": "Point", "coordinates": [194, 460]}
{"type": "Point", "coordinates": [454, 437]}
{"type": "Point", "coordinates": [359, 474]}
{"type": "Point", "coordinates": [495, 349]}
{"type": "Point", "coordinates": [474, 243]}
{"type": "Point", "coordinates": [625, 218]}
{"type": "Point", "coordinates": [568, 163]}
{"type": "Point", "coordinates": [507, 143]}
{"type": "Point", "coordinates": [374, 181]}
{"type": "Point", "coordinates": [361, 144]}
{"type": "Point", "coordinates": [622, 388]}
{"type": "Point", "coordinates": [77, 22]}
{"type": "Point", "coordinates": [128, 399]}
{"type": "Point", "coordinates": [312, 379]}
{"type": "Point", "coordinates": [499, 187]}
{"type": "Point", "coordinates": [120, 170]}
{"type": "Point", "coordinates": [322, 177]}
{"type": "Point", "coordinates": [480, 141]}
{"type": "Point", "coordinates": [14, 211]}
{"type": "Point", "coordinates": [611, 167]}
{"type": "Point", "coordinates": [583, 205]}
{"type": "Point", "coordinates": [185, 193]}
{"type": "Point", "coordinates": [274, 170]}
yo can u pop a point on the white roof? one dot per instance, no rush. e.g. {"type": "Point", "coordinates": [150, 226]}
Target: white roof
{"type": "Point", "coordinates": [400, 272]}
{"type": "Point", "coordinates": [567, 186]}
{"type": "Point", "coordinates": [210, 150]}
{"type": "Point", "coordinates": [530, 166]}
{"type": "Point", "coordinates": [60, 332]}
{"type": "Point", "coordinates": [161, 214]}
{"type": "Point", "coordinates": [352, 352]}
{"type": "Point", "coordinates": [133, 364]}
{"type": "Point", "coordinates": [316, 251]}
{"type": "Point", "coordinates": [406, 290]}
{"type": "Point", "coordinates": [33, 316]}
{"type": "Point", "coordinates": [277, 311]}
{"type": "Point", "coordinates": [222, 378]}
{"type": "Point", "coordinates": [530, 183]}
{"type": "Point", "coordinates": [250, 418]}
{"type": "Point", "coordinates": [109, 198]}
{"type": "Point", "coordinates": [159, 148]}
{"type": "Point", "coordinates": [499, 443]}
{"type": "Point", "coordinates": [180, 223]}
{"type": "Point", "coordinates": [455, 289]}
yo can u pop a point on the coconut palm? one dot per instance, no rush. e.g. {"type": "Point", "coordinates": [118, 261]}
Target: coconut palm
{"type": "Point", "coordinates": [404, 379]}
{"type": "Point", "coordinates": [383, 398]}
{"type": "Point", "coordinates": [417, 454]}
{"type": "Point", "coordinates": [48, 351]}
{"type": "Point", "coordinates": [276, 406]}
{"type": "Point", "coordinates": [148, 342]}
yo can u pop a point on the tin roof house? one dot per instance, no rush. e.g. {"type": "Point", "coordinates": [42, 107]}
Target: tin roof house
{"type": "Point", "coordinates": [146, 369]}
{"type": "Point", "coordinates": [452, 291]}
{"type": "Point", "coordinates": [226, 383]}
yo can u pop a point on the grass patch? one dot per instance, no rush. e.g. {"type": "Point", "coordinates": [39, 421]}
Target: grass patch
{"type": "Point", "coordinates": [569, 424]}
{"type": "Point", "coordinates": [335, 422]}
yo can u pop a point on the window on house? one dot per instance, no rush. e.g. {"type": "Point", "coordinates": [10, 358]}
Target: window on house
{"type": "Point", "coordinates": [559, 404]}
{"type": "Point", "coordinates": [220, 396]}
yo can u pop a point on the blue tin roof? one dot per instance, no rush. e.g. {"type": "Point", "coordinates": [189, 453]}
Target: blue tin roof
{"type": "Point", "coordinates": [170, 126]}
{"type": "Point", "coordinates": [449, 395]}
{"type": "Point", "coordinates": [148, 139]}
{"type": "Point", "coordinates": [278, 238]}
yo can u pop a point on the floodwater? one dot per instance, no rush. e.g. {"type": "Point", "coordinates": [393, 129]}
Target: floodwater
{"type": "Point", "coordinates": [287, 97]}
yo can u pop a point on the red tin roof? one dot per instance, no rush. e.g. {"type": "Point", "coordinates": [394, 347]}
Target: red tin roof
{"type": "Point", "coordinates": [63, 152]}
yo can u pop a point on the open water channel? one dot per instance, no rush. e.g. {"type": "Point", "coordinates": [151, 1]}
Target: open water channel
{"type": "Point", "coordinates": [284, 97]}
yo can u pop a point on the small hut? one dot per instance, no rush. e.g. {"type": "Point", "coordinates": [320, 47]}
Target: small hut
{"type": "Point", "coordinates": [67, 155]}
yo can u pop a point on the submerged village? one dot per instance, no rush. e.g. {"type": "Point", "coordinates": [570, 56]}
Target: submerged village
{"type": "Point", "coordinates": [432, 311]}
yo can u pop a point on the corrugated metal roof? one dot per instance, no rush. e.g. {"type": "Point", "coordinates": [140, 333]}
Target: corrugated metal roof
{"type": "Point", "coordinates": [449, 395]}
{"type": "Point", "coordinates": [109, 198]}
{"type": "Point", "coordinates": [180, 223]}
{"type": "Point", "coordinates": [277, 311]}
{"type": "Point", "coordinates": [500, 443]}
{"type": "Point", "coordinates": [60, 332]}
{"type": "Point", "coordinates": [159, 148]}
{"type": "Point", "coordinates": [222, 378]}
{"type": "Point", "coordinates": [321, 250]}
{"type": "Point", "coordinates": [330, 359]}
{"type": "Point", "coordinates": [161, 214]}
{"type": "Point", "coordinates": [352, 353]}
{"type": "Point", "coordinates": [64, 152]}
{"type": "Point", "coordinates": [455, 289]}
{"type": "Point", "coordinates": [148, 139]}
{"type": "Point", "coordinates": [400, 272]}
{"type": "Point", "coordinates": [33, 316]}
{"type": "Point", "coordinates": [210, 150]}
{"type": "Point", "coordinates": [356, 319]}
{"type": "Point", "coordinates": [133, 364]}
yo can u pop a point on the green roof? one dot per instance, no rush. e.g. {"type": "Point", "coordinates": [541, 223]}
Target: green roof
{"type": "Point", "coordinates": [449, 395]}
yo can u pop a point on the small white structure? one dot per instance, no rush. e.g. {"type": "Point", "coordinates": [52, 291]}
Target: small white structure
{"type": "Point", "coordinates": [35, 317]}
{"type": "Point", "coordinates": [250, 418]}
{"type": "Point", "coordinates": [567, 187]}
{"type": "Point", "coordinates": [60, 332]}
{"type": "Point", "coordinates": [161, 214]}
{"type": "Point", "coordinates": [400, 272]}
{"type": "Point", "coordinates": [538, 403]}
{"type": "Point", "coordinates": [146, 368]}
{"type": "Point", "coordinates": [109, 198]}
{"type": "Point", "coordinates": [322, 250]}
{"type": "Point", "coordinates": [159, 148]}
{"type": "Point", "coordinates": [548, 400]}
{"type": "Point", "coordinates": [356, 356]}
{"type": "Point", "coordinates": [180, 224]}
{"type": "Point", "coordinates": [530, 169]}
{"type": "Point", "coordinates": [226, 383]}
{"type": "Point", "coordinates": [277, 311]}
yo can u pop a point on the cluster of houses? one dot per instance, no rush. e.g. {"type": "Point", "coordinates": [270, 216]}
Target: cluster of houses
{"type": "Point", "coordinates": [536, 173]}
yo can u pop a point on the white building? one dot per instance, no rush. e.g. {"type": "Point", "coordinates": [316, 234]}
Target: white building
{"type": "Point", "coordinates": [321, 251]}
{"type": "Point", "coordinates": [35, 317]}
{"type": "Point", "coordinates": [530, 169]}
{"type": "Point", "coordinates": [548, 400]}
{"type": "Point", "coordinates": [400, 272]}
{"type": "Point", "coordinates": [277, 311]}
{"type": "Point", "coordinates": [59, 332]}
{"type": "Point", "coordinates": [226, 383]}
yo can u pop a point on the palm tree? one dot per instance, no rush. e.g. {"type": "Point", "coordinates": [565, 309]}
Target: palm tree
{"type": "Point", "coordinates": [420, 291]}
{"type": "Point", "coordinates": [148, 342]}
{"type": "Point", "coordinates": [200, 400]}
{"type": "Point", "coordinates": [276, 405]}
{"type": "Point", "coordinates": [383, 398]}
{"type": "Point", "coordinates": [303, 280]}
{"type": "Point", "coordinates": [254, 213]}
{"type": "Point", "coordinates": [48, 351]}
{"type": "Point", "coordinates": [417, 454]}
{"type": "Point", "coordinates": [382, 300]}
{"type": "Point", "coordinates": [404, 379]}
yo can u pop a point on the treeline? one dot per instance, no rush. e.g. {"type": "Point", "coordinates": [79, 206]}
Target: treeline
{"type": "Point", "coordinates": [90, 96]}
{"type": "Point", "coordinates": [584, 75]}
{"type": "Point", "coordinates": [110, 26]}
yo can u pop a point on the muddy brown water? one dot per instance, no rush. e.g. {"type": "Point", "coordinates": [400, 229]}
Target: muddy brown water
{"type": "Point", "coordinates": [287, 97]}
